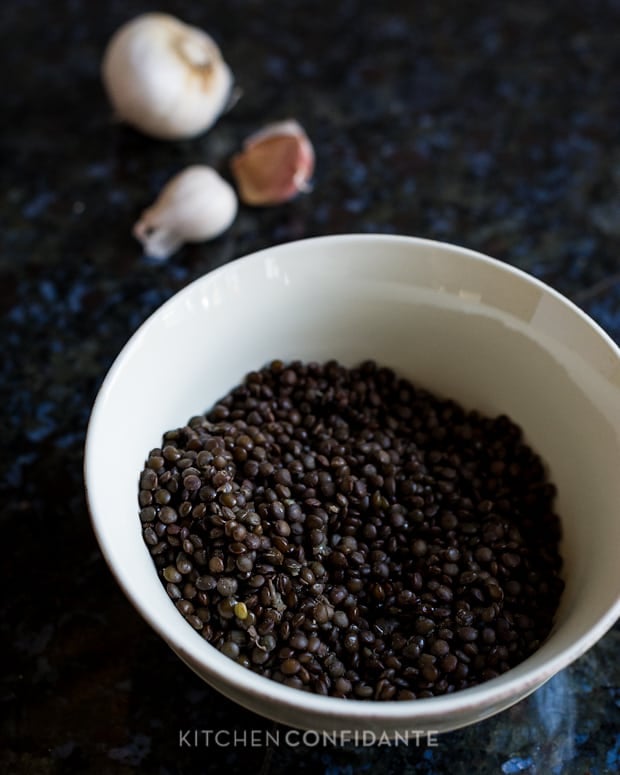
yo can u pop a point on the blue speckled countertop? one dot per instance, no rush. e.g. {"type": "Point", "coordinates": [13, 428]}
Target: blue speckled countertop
{"type": "Point", "coordinates": [492, 125]}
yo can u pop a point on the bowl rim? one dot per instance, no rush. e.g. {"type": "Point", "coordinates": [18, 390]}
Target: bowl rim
{"type": "Point", "coordinates": [519, 680]}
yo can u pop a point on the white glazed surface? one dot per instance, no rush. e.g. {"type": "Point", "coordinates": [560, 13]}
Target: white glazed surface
{"type": "Point", "coordinates": [453, 321]}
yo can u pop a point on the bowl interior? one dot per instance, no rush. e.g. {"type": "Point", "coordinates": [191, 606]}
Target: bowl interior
{"type": "Point", "coordinates": [452, 321]}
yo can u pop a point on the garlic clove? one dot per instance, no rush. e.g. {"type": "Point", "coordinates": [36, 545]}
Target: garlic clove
{"type": "Point", "coordinates": [275, 164]}
{"type": "Point", "coordinates": [194, 206]}
{"type": "Point", "coordinates": [165, 78]}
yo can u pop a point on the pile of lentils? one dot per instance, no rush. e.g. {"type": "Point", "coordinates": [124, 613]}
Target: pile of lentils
{"type": "Point", "coordinates": [348, 533]}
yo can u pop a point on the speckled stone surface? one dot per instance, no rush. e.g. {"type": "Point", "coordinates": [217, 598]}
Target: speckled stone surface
{"type": "Point", "coordinates": [492, 125]}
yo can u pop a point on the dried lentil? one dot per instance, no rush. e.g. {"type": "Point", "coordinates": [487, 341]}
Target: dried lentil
{"type": "Point", "coordinates": [348, 533]}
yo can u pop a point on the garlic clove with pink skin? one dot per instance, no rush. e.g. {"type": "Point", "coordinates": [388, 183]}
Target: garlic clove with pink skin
{"type": "Point", "coordinates": [194, 206]}
{"type": "Point", "coordinates": [275, 164]}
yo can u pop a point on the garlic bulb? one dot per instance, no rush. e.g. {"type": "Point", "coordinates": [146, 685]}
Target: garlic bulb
{"type": "Point", "coordinates": [164, 77]}
{"type": "Point", "coordinates": [196, 205]}
{"type": "Point", "coordinates": [275, 164]}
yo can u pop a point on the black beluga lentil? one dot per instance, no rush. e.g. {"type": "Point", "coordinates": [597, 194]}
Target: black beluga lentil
{"type": "Point", "coordinates": [348, 533]}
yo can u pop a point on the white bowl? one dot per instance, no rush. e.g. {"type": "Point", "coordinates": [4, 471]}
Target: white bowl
{"type": "Point", "coordinates": [454, 321]}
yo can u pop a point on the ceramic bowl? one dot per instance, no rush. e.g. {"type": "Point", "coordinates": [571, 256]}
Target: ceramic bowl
{"type": "Point", "coordinates": [452, 320]}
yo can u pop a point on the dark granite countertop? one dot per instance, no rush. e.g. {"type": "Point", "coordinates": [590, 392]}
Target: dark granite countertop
{"type": "Point", "coordinates": [492, 125]}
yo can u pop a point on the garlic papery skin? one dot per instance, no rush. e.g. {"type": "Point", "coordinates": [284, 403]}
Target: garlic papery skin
{"type": "Point", "coordinates": [164, 77]}
{"type": "Point", "coordinates": [275, 164]}
{"type": "Point", "coordinates": [194, 206]}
